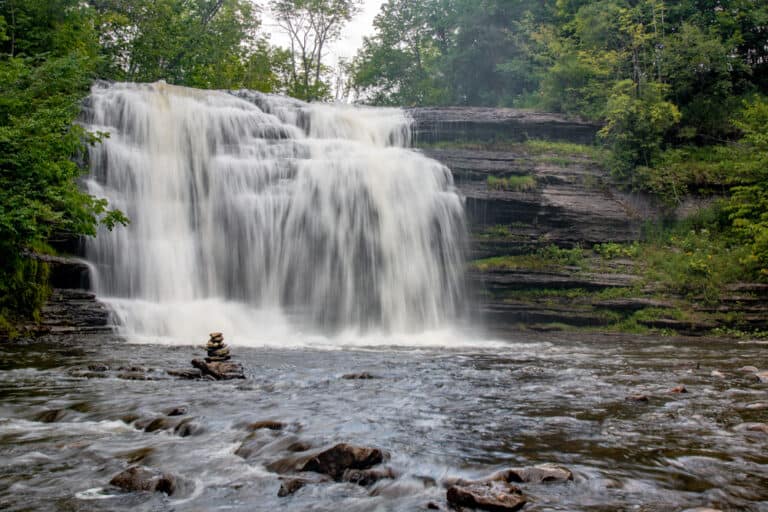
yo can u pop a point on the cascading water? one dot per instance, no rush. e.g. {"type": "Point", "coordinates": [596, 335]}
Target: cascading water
{"type": "Point", "coordinates": [247, 208]}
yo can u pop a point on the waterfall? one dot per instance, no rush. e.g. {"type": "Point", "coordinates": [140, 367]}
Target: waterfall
{"type": "Point", "coordinates": [251, 213]}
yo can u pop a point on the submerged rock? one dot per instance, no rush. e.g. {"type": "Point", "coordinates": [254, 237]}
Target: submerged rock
{"type": "Point", "coordinates": [180, 410]}
{"type": "Point", "coordinates": [267, 424]}
{"type": "Point", "coordinates": [137, 478]}
{"type": "Point", "coordinates": [492, 496]}
{"type": "Point", "coordinates": [50, 416]}
{"type": "Point", "coordinates": [678, 389]}
{"type": "Point", "coordinates": [637, 398]}
{"type": "Point", "coordinates": [760, 428]}
{"type": "Point", "coordinates": [219, 370]}
{"type": "Point", "coordinates": [358, 376]}
{"type": "Point", "coordinates": [291, 485]}
{"type": "Point", "coordinates": [366, 477]}
{"type": "Point", "coordinates": [188, 427]}
{"type": "Point", "coordinates": [191, 374]}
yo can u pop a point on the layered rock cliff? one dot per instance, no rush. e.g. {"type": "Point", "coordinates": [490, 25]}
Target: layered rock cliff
{"type": "Point", "coordinates": [533, 196]}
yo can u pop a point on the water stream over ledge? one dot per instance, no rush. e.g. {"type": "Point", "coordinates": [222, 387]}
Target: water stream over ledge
{"type": "Point", "coordinates": [440, 412]}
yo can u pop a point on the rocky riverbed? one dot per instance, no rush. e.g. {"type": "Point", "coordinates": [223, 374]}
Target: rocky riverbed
{"type": "Point", "coordinates": [94, 423]}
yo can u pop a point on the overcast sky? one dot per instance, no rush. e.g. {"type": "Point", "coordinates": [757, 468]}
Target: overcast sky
{"type": "Point", "coordinates": [351, 38]}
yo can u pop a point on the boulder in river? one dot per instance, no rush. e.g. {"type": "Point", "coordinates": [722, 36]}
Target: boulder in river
{"type": "Point", "coordinates": [543, 473]}
{"type": "Point", "coordinates": [138, 478]}
{"type": "Point", "coordinates": [762, 377]}
{"type": "Point", "coordinates": [749, 369]}
{"type": "Point", "coordinates": [332, 461]}
{"type": "Point", "coordinates": [492, 496]}
{"type": "Point", "coordinates": [678, 389]}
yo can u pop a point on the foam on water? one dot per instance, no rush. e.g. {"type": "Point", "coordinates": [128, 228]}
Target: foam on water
{"type": "Point", "coordinates": [261, 216]}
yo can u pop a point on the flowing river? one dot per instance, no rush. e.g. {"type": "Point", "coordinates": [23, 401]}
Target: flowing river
{"type": "Point", "coordinates": [440, 413]}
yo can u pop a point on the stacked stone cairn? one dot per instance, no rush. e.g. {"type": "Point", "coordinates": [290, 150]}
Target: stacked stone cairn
{"type": "Point", "coordinates": [218, 351]}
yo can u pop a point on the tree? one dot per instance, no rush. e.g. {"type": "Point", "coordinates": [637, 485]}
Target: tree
{"type": "Point", "coordinates": [311, 25]}
{"type": "Point", "coordinates": [198, 43]}
{"type": "Point", "coordinates": [47, 63]}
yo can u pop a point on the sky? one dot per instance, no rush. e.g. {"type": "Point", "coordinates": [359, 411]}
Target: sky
{"type": "Point", "coordinates": [351, 38]}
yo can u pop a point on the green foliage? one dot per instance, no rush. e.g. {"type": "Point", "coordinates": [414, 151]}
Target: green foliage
{"type": "Point", "coordinates": [637, 118]}
{"type": "Point", "coordinates": [544, 258]}
{"type": "Point", "coordinates": [197, 43]}
{"type": "Point", "coordinates": [695, 258]}
{"type": "Point", "coordinates": [311, 26]}
{"type": "Point", "coordinates": [611, 250]}
{"type": "Point", "coordinates": [512, 183]}
{"type": "Point", "coordinates": [44, 73]}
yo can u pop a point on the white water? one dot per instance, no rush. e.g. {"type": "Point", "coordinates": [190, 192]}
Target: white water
{"type": "Point", "coordinates": [263, 216]}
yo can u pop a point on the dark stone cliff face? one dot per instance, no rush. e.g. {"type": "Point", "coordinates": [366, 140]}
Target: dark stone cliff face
{"type": "Point", "coordinates": [440, 124]}
{"type": "Point", "coordinates": [72, 308]}
{"type": "Point", "coordinates": [573, 202]}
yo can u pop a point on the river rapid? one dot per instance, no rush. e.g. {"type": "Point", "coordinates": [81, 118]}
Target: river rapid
{"type": "Point", "coordinates": [440, 412]}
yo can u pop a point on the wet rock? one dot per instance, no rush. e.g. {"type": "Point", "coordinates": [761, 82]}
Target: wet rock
{"type": "Point", "coordinates": [154, 424]}
{"type": "Point", "coordinates": [191, 374]}
{"type": "Point", "coordinates": [50, 416]}
{"type": "Point", "coordinates": [543, 473]}
{"type": "Point", "coordinates": [138, 455]}
{"type": "Point", "coordinates": [129, 418]}
{"type": "Point", "coordinates": [366, 477]}
{"type": "Point", "coordinates": [134, 376]}
{"type": "Point", "coordinates": [180, 410]}
{"type": "Point", "coordinates": [749, 369]}
{"type": "Point", "coordinates": [332, 461]}
{"type": "Point", "coordinates": [98, 368]}
{"type": "Point", "coordinates": [762, 377]}
{"type": "Point", "coordinates": [678, 389]}
{"type": "Point", "coordinates": [637, 398]}
{"type": "Point", "coordinates": [132, 369]}
{"type": "Point", "coordinates": [267, 424]}
{"type": "Point", "coordinates": [433, 506]}
{"type": "Point", "coordinates": [492, 496]}
{"type": "Point", "coordinates": [188, 427]}
{"type": "Point", "coordinates": [358, 376]}
{"type": "Point", "coordinates": [298, 446]}
{"type": "Point", "coordinates": [717, 374]}
{"type": "Point", "coordinates": [760, 428]}
{"type": "Point", "coordinates": [137, 478]}
{"type": "Point", "coordinates": [222, 370]}
{"type": "Point", "coordinates": [291, 485]}
{"type": "Point", "coordinates": [757, 406]}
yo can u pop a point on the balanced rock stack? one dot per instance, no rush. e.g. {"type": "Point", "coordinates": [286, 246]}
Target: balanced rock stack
{"type": "Point", "coordinates": [217, 365]}
{"type": "Point", "coordinates": [217, 349]}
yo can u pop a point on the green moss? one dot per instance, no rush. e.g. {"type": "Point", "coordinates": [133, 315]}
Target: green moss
{"type": "Point", "coordinates": [546, 257]}
{"type": "Point", "coordinates": [512, 183]}
{"type": "Point", "coordinates": [24, 289]}
{"type": "Point", "coordinates": [533, 147]}
{"type": "Point", "coordinates": [610, 250]}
